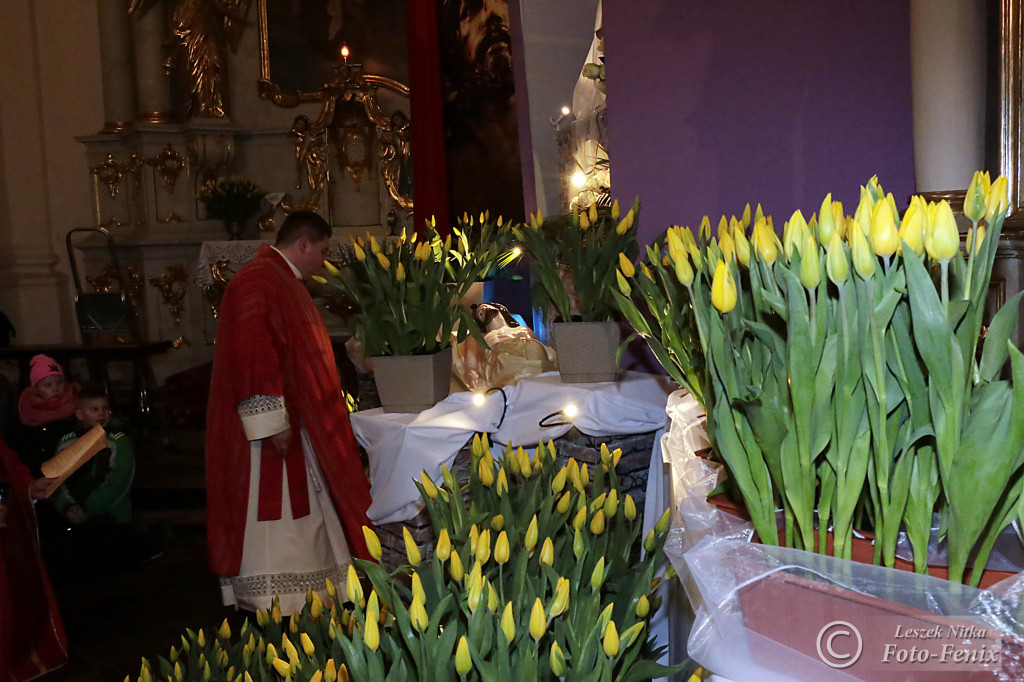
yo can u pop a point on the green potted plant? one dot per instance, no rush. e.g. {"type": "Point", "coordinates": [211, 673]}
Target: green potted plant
{"type": "Point", "coordinates": [843, 370]}
{"type": "Point", "coordinates": [536, 575]}
{"type": "Point", "coordinates": [231, 200]}
{"type": "Point", "coordinates": [573, 259]}
{"type": "Point", "coordinates": [407, 294]}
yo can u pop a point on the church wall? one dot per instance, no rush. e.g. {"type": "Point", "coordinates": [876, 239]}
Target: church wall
{"type": "Point", "coordinates": [712, 105]}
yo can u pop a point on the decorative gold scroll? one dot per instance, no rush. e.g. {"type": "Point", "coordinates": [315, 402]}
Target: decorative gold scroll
{"type": "Point", "coordinates": [173, 286]}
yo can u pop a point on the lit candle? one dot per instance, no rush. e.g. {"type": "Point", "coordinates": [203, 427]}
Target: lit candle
{"type": "Point", "coordinates": [344, 53]}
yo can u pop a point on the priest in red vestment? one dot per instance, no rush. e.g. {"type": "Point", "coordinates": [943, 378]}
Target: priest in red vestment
{"type": "Point", "coordinates": [286, 492]}
{"type": "Point", "coordinates": [32, 639]}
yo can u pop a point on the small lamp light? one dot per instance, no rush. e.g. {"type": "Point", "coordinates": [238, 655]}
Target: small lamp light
{"type": "Point", "coordinates": [566, 111]}
{"type": "Point", "coordinates": [570, 411]}
{"type": "Point", "coordinates": [479, 399]}
{"type": "Point", "coordinates": [517, 252]}
{"type": "Point", "coordinates": [579, 179]}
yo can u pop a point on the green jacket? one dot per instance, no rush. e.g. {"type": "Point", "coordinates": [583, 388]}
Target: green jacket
{"type": "Point", "coordinates": [102, 486]}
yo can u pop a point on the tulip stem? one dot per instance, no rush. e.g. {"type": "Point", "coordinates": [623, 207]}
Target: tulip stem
{"type": "Point", "coordinates": [886, 261]}
{"type": "Point", "coordinates": [944, 270]}
{"type": "Point", "coordinates": [972, 248]}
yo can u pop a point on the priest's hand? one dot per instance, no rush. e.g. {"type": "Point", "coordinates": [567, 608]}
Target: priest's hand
{"type": "Point", "coordinates": [282, 441]}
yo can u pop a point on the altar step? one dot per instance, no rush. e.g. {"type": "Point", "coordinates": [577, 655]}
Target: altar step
{"type": "Point", "coordinates": [170, 480]}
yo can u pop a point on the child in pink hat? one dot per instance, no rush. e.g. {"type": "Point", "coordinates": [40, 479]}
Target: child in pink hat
{"type": "Point", "coordinates": [46, 410]}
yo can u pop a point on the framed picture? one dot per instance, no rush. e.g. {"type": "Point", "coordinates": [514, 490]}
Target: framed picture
{"type": "Point", "coordinates": [301, 42]}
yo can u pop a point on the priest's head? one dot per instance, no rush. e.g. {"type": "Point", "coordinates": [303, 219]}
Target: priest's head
{"type": "Point", "coordinates": [304, 238]}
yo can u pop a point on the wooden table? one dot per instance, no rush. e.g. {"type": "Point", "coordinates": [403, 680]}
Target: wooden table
{"type": "Point", "coordinates": [97, 358]}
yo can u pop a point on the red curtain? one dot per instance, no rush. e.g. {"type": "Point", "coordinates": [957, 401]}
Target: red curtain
{"type": "Point", "coordinates": [430, 171]}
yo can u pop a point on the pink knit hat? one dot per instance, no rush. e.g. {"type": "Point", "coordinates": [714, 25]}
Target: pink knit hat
{"type": "Point", "coordinates": [43, 366]}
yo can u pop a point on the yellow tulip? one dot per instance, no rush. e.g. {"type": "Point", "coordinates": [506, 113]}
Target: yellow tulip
{"type": "Point", "coordinates": [810, 266]}
{"type": "Point", "coordinates": [374, 246]}
{"type": "Point", "coordinates": [765, 241]}
{"type": "Point", "coordinates": [723, 228]}
{"type": "Point", "coordinates": [428, 485]}
{"type": "Point", "coordinates": [629, 508]}
{"type": "Point", "coordinates": [282, 667]}
{"type": "Point", "coordinates": [630, 634]}
{"type": "Point", "coordinates": [584, 221]}
{"type": "Point", "coordinates": [558, 482]}
{"type": "Point", "coordinates": [584, 476]}
{"type": "Point", "coordinates": [624, 287]}
{"type": "Point", "coordinates": [383, 260]}
{"type": "Point", "coordinates": [626, 265]}
{"type": "Point", "coordinates": [643, 606]}
{"type": "Point", "coordinates": [485, 469]}
{"type": "Point", "coordinates": [538, 620]}
{"type": "Point", "coordinates": [497, 522]}
{"type": "Point", "coordinates": [412, 552]}
{"type": "Point", "coordinates": [557, 659]}
{"type": "Point", "coordinates": [942, 240]}
{"type": "Point", "coordinates": [418, 614]}
{"type": "Point", "coordinates": [593, 212]}
{"type": "Point", "coordinates": [342, 672]}
{"type": "Point", "coordinates": [560, 599]}
{"type": "Point", "coordinates": [501, 548]}
{"type": "Point", "coordinates": [826, 220]}
{"type": "Point", "coordinates": [864, 261]}
{"type": "Point", "coordinates": [483, 547]}
{"type": "Point", "coordinates": [563, 502]}
{"type": "Point", "coordinates": [728, 248]}
{"type": "Point", "coordinates": [597, 523]}
{"type": "Point", "coordinates": [360, 253]}
{"type": "Point", "coordinates": [492, 598]}
{"type": "Point", "coordinates": [884, 236]}
{"type": "Point", "coordinates": [723, 289]}
{"type": "Point", "coordinates": [650, 541]}
{"type": "Point", "coordinates": [307, 644]}
{"type": "Point", "coordinates": [400, 273]}
{"type": "Point", "coordinates": [914, 225]}
{"type": "Point", "coordinates": [455, 566]}
{"type": "Point", "coordinates": [611, 639]}
{"type": "Point", "coordinates": [742, 244]}
{"type": "Point", "coordinates": [444, 545]}
{"type": "Point", "coordinates": [580, 518]}
{"type": "Point", "coordinates": [372, 543]}
{"type": "Point", "coordinates": [547, 552]}
{"type": "Point", "coordinates": [662, 523]}
{"type": "Point", "coordinates": [474, 538]}
{"type": "Point", "coordinates": [615, 209]}
{"type": "Point", "coordinates": [598, 501]}
{"type": "Point", "coordinates": [353, 587]}
{"type": "Point", "coordinates": [597, 576]}
{"type": "Point", "coordinates": [704, 230]}
{"type": "Point", "coordinates": [372, 605]}
{"type": "Point", "coordinates": [316, 607]}
{"type": "Point", "coordinates": [463, 663]}
{"type": "Point", "coordinates": [417, 588]}
{"type": "Point", "coordinates": [530, 541]}
{"type": "Point", "coordinates": [476, 589]}
{"type": "Point", "coordinates": [865, 210]}
{"type": "Point", "coordinates": [975, 198]}
{"type": "Point", "coordinates": [611, 503]}
{"type": "Point", "coordinates": [794, 233]}
{"type": "Point", "coordinates": [684, 273]}
{"type": "Point", "coordinates": [837, 265]}
{"type": "Point", "coordinates": [371, 633]}
{"type": "Point", "coordinates": [508, 623]}
{"type": "Point", "coordinates": [330, 671]}
{"type": "Point", "coordinates": [501, 485]}
{"type": "Point", "coordinates": [577, 544]}
{"type": "Point", "coordinates": [997, 200]}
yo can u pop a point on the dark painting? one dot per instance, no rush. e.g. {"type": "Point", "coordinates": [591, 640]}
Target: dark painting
{"type": "Point", "coordinates": [481, 128]}
{"type": "Point", "coordinates": [304, 40]}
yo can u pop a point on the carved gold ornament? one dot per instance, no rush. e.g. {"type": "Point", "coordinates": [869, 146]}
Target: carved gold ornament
{"type": "Point", "coordinates": [110, 171]}
{"type": "Point", "coordinates": [206, 29]}
{"type": "Point", "coordinates": [108, 280]}
{"type": "Point", "coordinates": [168, 164]}
{"type": "Point", "coordinates": [173, 286]}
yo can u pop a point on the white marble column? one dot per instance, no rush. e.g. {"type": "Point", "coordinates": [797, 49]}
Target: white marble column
{"type": "Point", "coordinates": [947, 51]}
{"type": "Point", "coordinates": [149, 30]}
{"type": "Point", "coordinates": [117, 63]}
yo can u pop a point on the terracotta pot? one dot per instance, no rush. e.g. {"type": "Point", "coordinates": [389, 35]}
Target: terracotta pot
{"type": "Point", "coordinates": [412, 383]}
{"type": "Point", "coordinates": [862, 548]}
{"type": "Point", "coordinates": [586, 351]}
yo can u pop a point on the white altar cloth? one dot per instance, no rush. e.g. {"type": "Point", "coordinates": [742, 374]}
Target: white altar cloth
{"type": "Point", "coordinates": [400, 445]}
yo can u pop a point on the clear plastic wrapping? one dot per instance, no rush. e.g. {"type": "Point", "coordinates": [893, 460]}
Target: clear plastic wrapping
{"type": "Point", "coordinates": [772, 613]}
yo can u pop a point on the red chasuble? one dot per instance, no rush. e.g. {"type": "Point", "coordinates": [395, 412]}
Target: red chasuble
{"type": "Point", "coordinates": [32, 639]}
{"type": "Point", "coordinates": [271, 341]}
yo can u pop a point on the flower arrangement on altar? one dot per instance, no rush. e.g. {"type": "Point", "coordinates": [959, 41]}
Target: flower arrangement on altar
{"type": "Point", "coordinates": [231, 199]}
{"type": "Point", "coordinates": [535, 575]}
{"type": "Point", "coordinates": [843, 370]}
{"type": "Point", "coordinates": [573, 259]}
{"type": "Point", "coordinates": [408, 291]}
{"type": "Point", "coordinates": [490, 242]}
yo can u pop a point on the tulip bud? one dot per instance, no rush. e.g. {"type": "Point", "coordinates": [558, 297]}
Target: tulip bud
{"type": "Point", "coordinates": [611, 639]}
{"type": "Point", "coordinates": [497, 522]}
{"type": "Point", "coordinates": [557, 660]}
{"type": "Point", "coordinates": [727, 247]}
{"type": "Point", "coordinates": [560, 599]}
{"type": "Point", "coordinates": [598, 501]}
{"type": "Point", "coordinates": [492, 598]}
{"type": "Point", "coordinates": [974, 199]}
{"type": "Point", "coordinates": [559, 481]}
{"type": "Point", "coordinates": [508, 623]}
{"type": "Point", "coordinates": [342, 672]}
{"type": "Point", "coordinates": [580, 518]}
{"type": "Point", "coordinates": [593, 212]}
{"type": "Point", "coordinates": [624, 287]}
{"type": "Point", "coordinates": [281, 666]}
{"type": "Point", "coordinates": [650, 542]}
{"type": "Point", "coordinates": [449, 479]}
{"type": "Point", "coordinates": [626, 265]}
{"type": "Point", "coordinates": [417, 588]}
{"type": "Point", "coordinates": [864, 261]}
{"type": "Point", "coordinates": [444, 545]}
{"type": "Point", "coordinates": [765, 241]}
{"type": "Point", "coordinates": [914, 225]}
{"type": "Point", "coordinates": [611, 504]}
{"type": "Point", "coordinates": [826, 220]}
{"type": "Point", "coordinates": [547, 552]}
{"type": "Point", "coordinates": [501, 485]}
{"type": "Point", "coordinates": [372, 543]}
{"type": "Point", "coordinates": [684, 272]}
{"type": "Point", "coordinates": [538, 620]}
{"type": "Point", "coordinates": [563, 502]}
{"type": "Point", "coordinates": [485, 470]}
{"type": "Point", "coordinates": [597, 577]}
{"type": "Point", "coordinates": [316, 607]}
{"type": "Point", "coordinates": [372, 605]}
{"type": "Point", "coordinates": [643, 606]}
{"type": "Point", "coordinates": [942, 241]}
{"type": "Point", "coordinates": [225, 630]}
{"type": "Point", "coordinates": [359, 252]}
{"type": "Point", "coordinates": [307, 644]}
{"type": "Point", "coordinates": [530, 541]}
{"type": "Point", "coordinates": [428, 485]}
{"type": "Point", "coordinates": [463, 663]}
{"type": "Point", "coordinates": [383, 260]}
{"type": "Point", "coordinates": [997, 200]}
{"type": "Point", "coordinates": [577, 544]}
{"type": "Point", "coordinates": [630, 634]}
{"type": "Point", "coordinates": [615, 209]}
{"type": "Point", "coordinates": [474, 538]}
{"type": "Point", "coordinates": [704, 230]}
{"type": "Point", "coordinates": [584, 221]}
{"type": "Point", "coordinates": [501, 548]}
{"type": "Point", "coordinates": [810, 266]}
{"type": "Point", "coordinates": [455, 566]}
{"type": "Point", "coordinates": [723, 289]}
{"type": "Point", "coordinates": [597, 523]}
{"type": "Point", "coordinates": [476, 588]}
{"type": "Point", "coordinates": [794, 233]}
{"type": "Point", "coordinates": [884, 237]}
{"type": "Point", "coordinates": [742, 245]}
{"type": "Point", "coordinates": [412, 552]}
{"type": "Point", "coordinates": [400, 273]}
{"type": "Point", "coordinates": [483, 547]}
{"type": "Point", "coordinates": [629, 508]}
{"type": "Point", "coordinates": [865, 210]}
{"type": "Point", "coordinates": [525, 468]}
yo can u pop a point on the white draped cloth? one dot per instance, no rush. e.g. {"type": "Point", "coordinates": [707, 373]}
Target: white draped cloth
{"type": "Point", "coordinates": [400, 445]}
{"type": "Point", "coordinates": [288, 556]}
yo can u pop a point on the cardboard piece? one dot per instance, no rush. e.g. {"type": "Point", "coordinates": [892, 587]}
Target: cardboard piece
{"type": "Point", "coordinates": [71, 458]}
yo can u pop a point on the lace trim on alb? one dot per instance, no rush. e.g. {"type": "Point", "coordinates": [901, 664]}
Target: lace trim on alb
{"type": "Point", "coordinates": [260, 404]}
{"type": "Point", "coordinates": [268, 585]}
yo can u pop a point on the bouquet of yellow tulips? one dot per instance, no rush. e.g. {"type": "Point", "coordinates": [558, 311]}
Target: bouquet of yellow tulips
{"type": "Point", "coordinates": [573, 259]}
{"type": "Point", "coordinates": [407, 292]}
{"type": "Point", "coordinates": [842, 369]}
{"type": "Point", "coordinates": [536, 575]}
{"type": "Point", "coordinates": [488, 242]}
